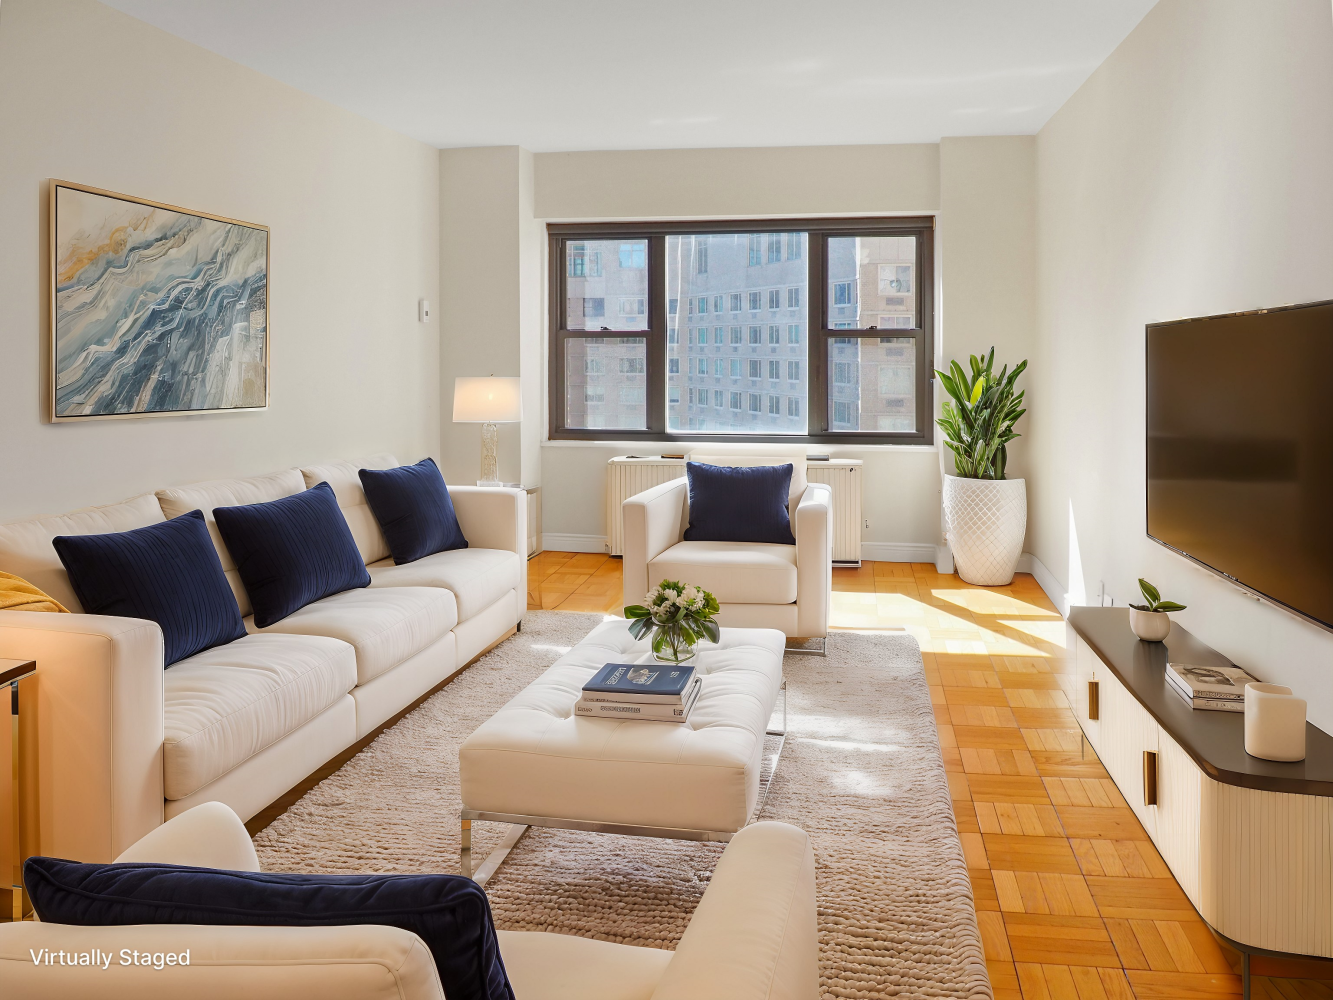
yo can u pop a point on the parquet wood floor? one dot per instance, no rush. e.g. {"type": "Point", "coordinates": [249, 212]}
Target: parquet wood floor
{"type": "Point", "coordinates": [1073, 900]}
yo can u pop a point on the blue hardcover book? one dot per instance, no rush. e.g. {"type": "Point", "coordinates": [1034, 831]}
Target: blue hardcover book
{"type": "Point", "coordinates": [642, 682]}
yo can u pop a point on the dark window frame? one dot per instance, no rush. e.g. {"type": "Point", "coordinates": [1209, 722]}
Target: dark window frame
{"type": "Point", "coordinates": [817, 334]}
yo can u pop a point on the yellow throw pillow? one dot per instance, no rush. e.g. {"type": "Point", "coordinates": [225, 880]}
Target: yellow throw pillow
{"type": "Point", "coordinates": [17, 594]}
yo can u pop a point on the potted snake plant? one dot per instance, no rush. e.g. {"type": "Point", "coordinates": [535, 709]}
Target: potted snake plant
{"type": "Point", "coordinates": [985, 514]}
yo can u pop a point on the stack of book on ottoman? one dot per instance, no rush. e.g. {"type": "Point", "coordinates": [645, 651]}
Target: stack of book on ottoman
{"type": "Point", "coordinates": [1214, 689]}
{"type": "Point", "coordinates": [654, 692]}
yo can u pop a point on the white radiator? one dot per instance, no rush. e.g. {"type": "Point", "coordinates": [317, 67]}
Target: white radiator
{"type": "Point", "coordinates": [626, 477]}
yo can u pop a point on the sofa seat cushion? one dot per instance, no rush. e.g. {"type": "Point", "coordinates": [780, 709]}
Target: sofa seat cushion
{"type": "Point", "coordinates": [384, 626]}
{"type": "Point", "coordinates": [226, 704]}
{"type": "Point", "coordinates": [476, 577]}
{"type": "Point", "coordinates": [735, 572]}
{"type": "Point", "coordinates": [545, 966]}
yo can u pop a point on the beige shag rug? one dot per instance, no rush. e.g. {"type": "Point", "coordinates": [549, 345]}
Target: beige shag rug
{"type": "Point", "coordinates": [861, 772]}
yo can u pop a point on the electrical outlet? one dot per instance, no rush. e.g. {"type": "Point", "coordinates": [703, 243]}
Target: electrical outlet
{"type": "Point", "coordinates": [423, 311]}
{"type": "Point", "coordinates": [867, 524]}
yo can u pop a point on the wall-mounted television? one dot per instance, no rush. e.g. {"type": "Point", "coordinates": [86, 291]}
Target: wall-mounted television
{"type": "Point", "coordinates": [1240, 450]}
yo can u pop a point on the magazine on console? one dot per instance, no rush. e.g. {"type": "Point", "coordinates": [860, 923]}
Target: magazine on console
{"type": "Point", "coordinates": [1219, 688]}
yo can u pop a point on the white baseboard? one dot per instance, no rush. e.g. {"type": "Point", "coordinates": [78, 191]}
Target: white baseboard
{"type": "Point", "coordinates": [553, 542]}
{"type": "Point", "coordinates": [1054, 589]}
{"type": "Point", "coordinates": [921, 552]}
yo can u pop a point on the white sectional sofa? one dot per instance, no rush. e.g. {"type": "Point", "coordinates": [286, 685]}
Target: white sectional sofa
{"type": "Point", "coordinates": [122, 743]}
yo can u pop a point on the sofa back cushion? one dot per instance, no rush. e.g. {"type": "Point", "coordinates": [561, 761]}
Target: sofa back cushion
{"type": "Point", "coordinates": [346, 482]}
{"type": "Point", "coordinates": [414, 510]}
{"type": "Point", "coordinates": [168, 573]}
{"type": "Point", "coordinates": [27, 552]}
{"type": "Point", "coordinates": [291, 552]}
{"type": "Point", "coordinates": [228, 493]}
{"type": "Point", "coordinates": [739, 504]}
{"type": "Point", "coordinates": [449, 913]}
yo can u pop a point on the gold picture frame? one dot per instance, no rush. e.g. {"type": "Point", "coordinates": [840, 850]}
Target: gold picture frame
{"type": "Point", "coordinates": [153, 308]}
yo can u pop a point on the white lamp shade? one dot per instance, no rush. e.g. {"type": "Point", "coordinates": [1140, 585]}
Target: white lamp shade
{"type": "Point", "coordinates": [487, 400]}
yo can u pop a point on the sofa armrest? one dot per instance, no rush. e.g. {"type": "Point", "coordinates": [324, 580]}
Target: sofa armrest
{"type": "Point", "coordinates": [98, 729]}
{"type": "Point", "coordinates": [654, 520]}
{"type": "Point", "coordinates": [754, 935]}
{"type": "Point", "coordinates": [353, 962]}
{"type": "Point", "coordinates": [814, 560]}
{"type": "Point", "coordinates": [496, 517]}
{"type": "Point", "coordinates": [209, 835]}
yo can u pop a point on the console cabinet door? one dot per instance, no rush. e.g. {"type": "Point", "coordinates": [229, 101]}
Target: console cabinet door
{"type": "Point", "coordinates": [1127, 730]}
{"type": "Point", "coordinates": [1087, 667]}
{"type": "Point", "coordinates": [1179, 805]}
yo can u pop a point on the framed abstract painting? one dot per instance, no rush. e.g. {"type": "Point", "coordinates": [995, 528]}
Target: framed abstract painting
{"type": "Point", "coordinates": [155, 310]}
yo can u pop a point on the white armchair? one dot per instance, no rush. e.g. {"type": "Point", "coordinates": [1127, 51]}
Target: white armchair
{"type": "Point", "coordinates": [757, 584]}
{"type": "Point", "coordinates": [753, 935]}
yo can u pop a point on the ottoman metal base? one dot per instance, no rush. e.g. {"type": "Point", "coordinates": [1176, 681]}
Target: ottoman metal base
{"type": "Point", "coordinates": [520, 823]}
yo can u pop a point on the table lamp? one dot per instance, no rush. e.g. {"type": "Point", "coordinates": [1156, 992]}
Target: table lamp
{"type": "Point", "coordinates": [488, 401]}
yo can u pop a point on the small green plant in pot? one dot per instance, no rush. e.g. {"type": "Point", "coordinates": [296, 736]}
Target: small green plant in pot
{"type": "Point", "coordinates": [985, 514]}
{"type": "Point", "coordinates": [1149, 620]}
{"type": "Point", "coordinates": [678, 616]}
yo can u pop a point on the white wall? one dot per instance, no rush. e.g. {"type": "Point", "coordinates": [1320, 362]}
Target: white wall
{"type": "Point", "coordinates": [90, 95]}
{"type": "Point", "coordinates": [987, 275]}
{"type": "Point", "coordinates": [1190, 175]}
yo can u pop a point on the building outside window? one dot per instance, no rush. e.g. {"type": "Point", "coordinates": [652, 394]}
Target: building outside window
{"type": "Point", "coordinates": [872, 289]}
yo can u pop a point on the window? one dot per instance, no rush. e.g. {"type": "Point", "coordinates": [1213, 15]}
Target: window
{"type": "Point", "coordinates": [860, 371]}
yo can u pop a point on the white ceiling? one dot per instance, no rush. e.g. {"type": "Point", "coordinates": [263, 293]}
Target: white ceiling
{"type": "Point", "coordinates": [629, 74]}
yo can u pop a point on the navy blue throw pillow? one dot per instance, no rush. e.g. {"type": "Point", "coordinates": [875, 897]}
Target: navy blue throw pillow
{"type": "Point", "coordinates": [450, 913]}
{"type": "Point", "coordinates": [291, 552]}
{"type": "Point", "coordinates": [739, 504]}
{"type": "Point", "coordinates": [168, 573]}
{"type": "Point", "coordinates": [414, 510]}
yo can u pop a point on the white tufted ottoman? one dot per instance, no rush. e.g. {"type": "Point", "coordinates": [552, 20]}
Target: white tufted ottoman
{"type": "Point", "coordinates": [536, 763]}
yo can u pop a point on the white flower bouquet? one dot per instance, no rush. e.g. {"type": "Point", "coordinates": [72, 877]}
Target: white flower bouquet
{"type": "Point", "coordinates": [678, 616]}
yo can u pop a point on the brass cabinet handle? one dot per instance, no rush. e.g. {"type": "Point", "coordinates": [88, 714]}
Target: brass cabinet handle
{"type": "Point", "coordinates": [1149, 778]}
{"type": "Point", "coordinates": [1094, 701]}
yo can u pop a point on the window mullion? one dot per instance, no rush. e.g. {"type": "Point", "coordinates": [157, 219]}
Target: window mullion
{"type": "Point", "coordinates": [656, 375]}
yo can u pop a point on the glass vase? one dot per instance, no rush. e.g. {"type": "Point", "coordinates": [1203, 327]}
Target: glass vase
{"type": "Point", "coordinates": [674, 646]}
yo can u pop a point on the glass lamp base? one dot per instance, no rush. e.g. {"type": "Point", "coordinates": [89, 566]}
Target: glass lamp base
{"type": "Point", "coordinates": [490, 461]}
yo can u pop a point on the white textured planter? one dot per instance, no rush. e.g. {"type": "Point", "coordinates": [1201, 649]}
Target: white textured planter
{"type": "Point", "coordinates": [984, 524]}
{"type": "Point", "coordinates": [1150, 626]}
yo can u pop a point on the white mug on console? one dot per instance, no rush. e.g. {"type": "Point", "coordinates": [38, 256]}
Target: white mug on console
{"type": "Point", "coordinates": [1274, 722]}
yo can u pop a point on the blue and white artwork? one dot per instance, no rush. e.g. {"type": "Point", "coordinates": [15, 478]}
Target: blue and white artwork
{"type": "Point", "coordinates": [156, 310]}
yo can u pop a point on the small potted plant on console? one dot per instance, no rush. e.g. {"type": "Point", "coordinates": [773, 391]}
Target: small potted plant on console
{"type": "Point", "coordinates": [1150, 621]}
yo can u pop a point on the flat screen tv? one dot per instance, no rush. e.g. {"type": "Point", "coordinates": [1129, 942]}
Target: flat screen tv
{"type": "Point", "coordinates": [1240, 450]}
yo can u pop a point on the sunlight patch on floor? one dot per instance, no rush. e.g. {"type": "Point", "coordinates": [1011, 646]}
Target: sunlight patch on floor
{"type": "Point", "coordinates": [1052, 632]}
{"type": "Point", "coordinates": [989, 602]}
{"type": "Point", "coordinates": [935, 629]}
